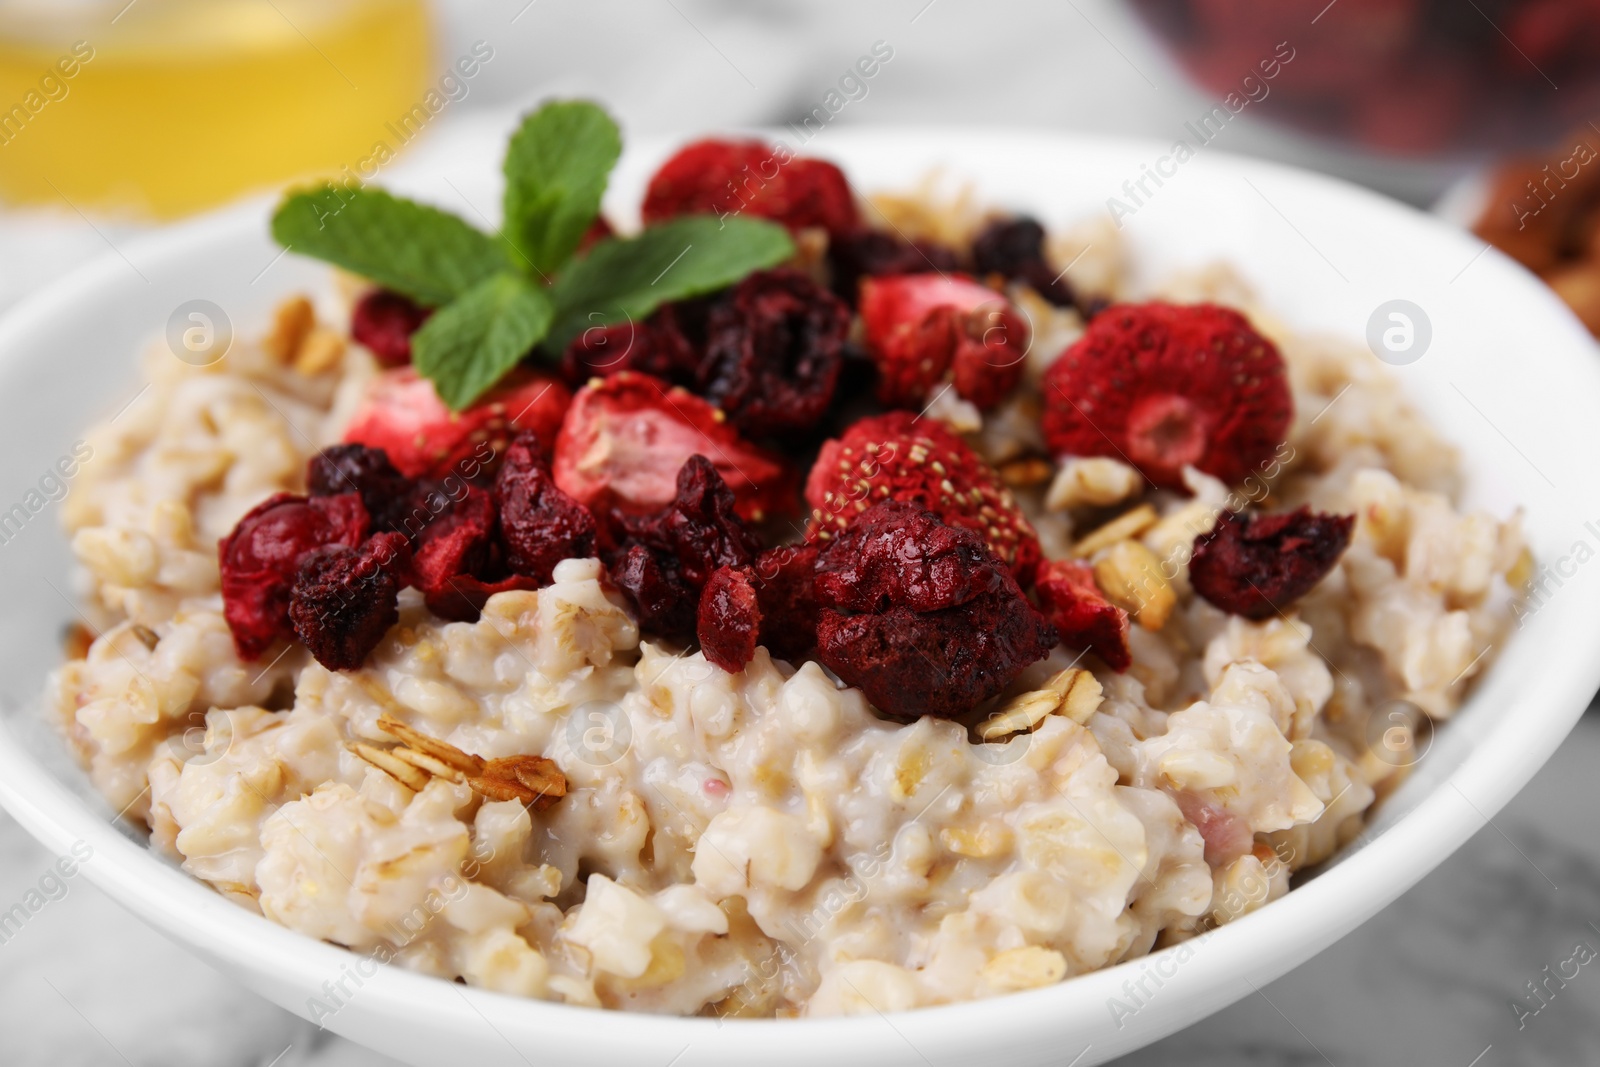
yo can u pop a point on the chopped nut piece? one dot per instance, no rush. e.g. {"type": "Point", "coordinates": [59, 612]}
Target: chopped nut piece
{"type": "Point", "coordinates": [1026, 472]}
{"type": "Point", "coordinates": [1131, 576]}
{"type": "Point", "coordinates": [464, 762]}
{"type": "Point", "coordinates": [422, 761]}
{"type": "Point", "coordinates": [539, 776]}
{"type": "Point", "coordinates": [322, 349]}
{"type": "Point", "coordinates": [1096, 481]}
{"type": "Point", "coordinates": [1127, 525]}
{"type": "Point", "coordinates": [404, 773]}
{"type": "Point", "coordinates": [291, 323]}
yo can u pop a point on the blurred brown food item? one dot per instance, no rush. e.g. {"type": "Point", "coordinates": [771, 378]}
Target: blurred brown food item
{"type": "Point", "coordinates": [1544, 212]}
{"type": "Point", "coordinates": [1579, 286]}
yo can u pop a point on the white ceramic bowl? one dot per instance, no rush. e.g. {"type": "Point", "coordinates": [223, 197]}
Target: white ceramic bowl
{"type": "Point", "coordinates": [1510, 376]}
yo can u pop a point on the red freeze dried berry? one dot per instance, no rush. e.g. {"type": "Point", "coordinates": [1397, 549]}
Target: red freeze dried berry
{"type": "Point", "coordinates": [729, 619]}
{"type": "Point", "coordinates": [919, 327]}
{"type": "Point", "coordinates": [922, 617]}
{"type": "Point", "coordinates": [539, 524]}
{"type": "Point", "coordinates": [1259, 565]}
{"type": "Point", "coordinates": [900, 456]}
{"type": "Point", "coordinates": [345, 599]}
{"type": "Point", "coordinates": [386, 492]}
{"type": "Point", "coordinates": [773, 352]}
{"type": "Point", "coordinates": [384, 321]}
{"type": "Point", "coordinates": [748, 177]}
{"type": "Point", "coordinates": [1074, 604]}
{"type": "Point", "coordinates": [261, 556]}
{"type": "Point", "coordinates": [786, 591]}
{"type": "Point", "coordinates": [423, 438]}
{"type": "Point", "coordinates": [654, 346]}
{"type": "Point", "coordinates": [876, 253]}
{"type": "Point", "coordinates": [1014, 248]}
{"type": "Point", "coordinates": [668, 557]}
{"type": "Point", "coordinates": [625, 439]}
{"type": "Point", "coordinates": [457, 563]}
{"type": "Point", "coordinates": [1166, 386]}
{"type": "Point", "coordinates": [665, 603]}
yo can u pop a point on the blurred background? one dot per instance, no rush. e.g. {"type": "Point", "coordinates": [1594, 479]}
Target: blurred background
{"type": "Point", "coordinates": [117, 116]}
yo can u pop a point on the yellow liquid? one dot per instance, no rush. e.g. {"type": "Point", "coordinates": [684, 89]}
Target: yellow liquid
{"type": "Point", "coordinates": [183, 104]}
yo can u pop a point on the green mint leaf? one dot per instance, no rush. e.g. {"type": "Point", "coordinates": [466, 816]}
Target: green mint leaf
{"type": "Point", "coordinates": [427, 254]}
{"type": "Point", "coordinates": [628, 279]}
{"type": "Point", "coordinates": [470, 343]}
{"type": "Point", "coordinates": [556, 170]}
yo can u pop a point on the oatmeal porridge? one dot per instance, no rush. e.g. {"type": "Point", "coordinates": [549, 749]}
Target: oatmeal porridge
{"type": "Point", "coordinates": [1095, 625]}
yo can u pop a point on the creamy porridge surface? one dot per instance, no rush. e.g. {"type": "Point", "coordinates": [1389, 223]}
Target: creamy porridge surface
{"type": "Point", "coordinates": [762, 843]}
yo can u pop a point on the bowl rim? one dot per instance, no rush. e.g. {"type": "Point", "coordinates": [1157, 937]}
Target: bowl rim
{"type": "Point", "coordinates": [1315, 914]}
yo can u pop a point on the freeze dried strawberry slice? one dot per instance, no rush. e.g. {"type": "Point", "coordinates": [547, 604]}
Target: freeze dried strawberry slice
{"type": "Point", "coordinates": [728, 623]}
{"type": "Point", "coordinates": [737, 177]}
{"type": "Point", "coordinates": [384, 321]}
{"type": "Point", "coordinates": [1259, 565]}
{"type": "Point", "coordinates": [1085, 619]}
{"type": "Point", "coordinates": [261, 556]}
{"type": "Point", "coordinates": [345, 599]}
{"type": "Point", "coordinates": [625, 438]}
{"type": "Point", "coordinates": [539, 524]}
{"type": "Point", "coordinates": [1166, 386]}
{"type": "Point", "coordinates": [922, 617]}
{"type": "Point", "coordinates": [921, 326]}
{"type": "Point", "coordinates": [457, 563]}
{"type": "Point", "coordinates": [423, 438]}
{"type": "Point", "coordinates": [901, 457]}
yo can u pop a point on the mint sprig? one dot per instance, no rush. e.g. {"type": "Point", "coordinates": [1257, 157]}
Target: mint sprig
{"type": "Point", "coordinates": [501, 297]}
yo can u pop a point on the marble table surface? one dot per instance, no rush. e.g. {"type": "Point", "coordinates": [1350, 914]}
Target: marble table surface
{"type": "Point", "coordinates": [1436, 978]}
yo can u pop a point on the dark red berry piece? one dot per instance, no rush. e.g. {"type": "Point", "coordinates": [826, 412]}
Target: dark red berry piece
{"type": "Point", "coordinates": [384, 321]}
{"type": "Point", "coordinates": [665, 603]}
{"type": "Point", "coordinates": [260, 557]}
{"type": "Point", "coordinates": [773, 352]}
{"type": "Point", "coordinates": [785, 580]}
{"type": "Point", "coordinates": [1085, 619]}
{"type": "Point", "coordinates": [1014, 248]}
{"type": "Point", "coordinates": [386, 492]}
{"type": "Point", "coordinates": [701, 528]}
{"type": "Point", "coordinates": [724, 178]}
{"type": "Point", "coordinates": [911, 662]}
{"type": "Point", "coordinates": [877, 253]}
{"type": "Point", "coordinates": [539, 524]}
{"type": "Point", "coordinates": [1167, 386]}
{"type": "Point", "coordinates": [729, 619]}
{"type": "Point", "coordinates": [1259, 565]}
{"type": "Point", "coordinates": [654, 346]}
{"type": "Point", "coordinates": [457, 563]}
{"type": "Point", "coordinates": [345, 599]}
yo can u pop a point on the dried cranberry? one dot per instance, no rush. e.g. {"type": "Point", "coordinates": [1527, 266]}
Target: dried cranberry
{"type": "Point", "coordinates": [1085, 619]}
{"type": "Point", "coordinates": [773, 352]}
{"type": "Point", "coordinates": [664, 602]}
{"type": "Point", "coordinates": [922, 617]}
{"type": "Point", "coordinates": [457, 563]}
{"type": "Point", "coordinates": [1258, 565]}
{"type": "Point", "coordinates": [654, 346]}
{"type": "Point", "coordinates": [785, 589]}
{"type": "Point", "coordinates": [700, 528]}
{"type": "Point", "coordinates": [1014, 248]}
{"type": "Point", "coordinates": [261, 556]}
{"type": "Point", "coordinates": [539, 524]}
{"type": "Point", "coordinates": [876, 253]}
{"type": "Point", "coordinates": [345, 599]}
{"type": "Point", "coordinates": [668, 557]}
{"type": "Point", "coordinates": [386, 492]}
{"type": "Point", "coordinates": [384, 321]}
{"type": "Point", "coordinates": [729, 619]}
